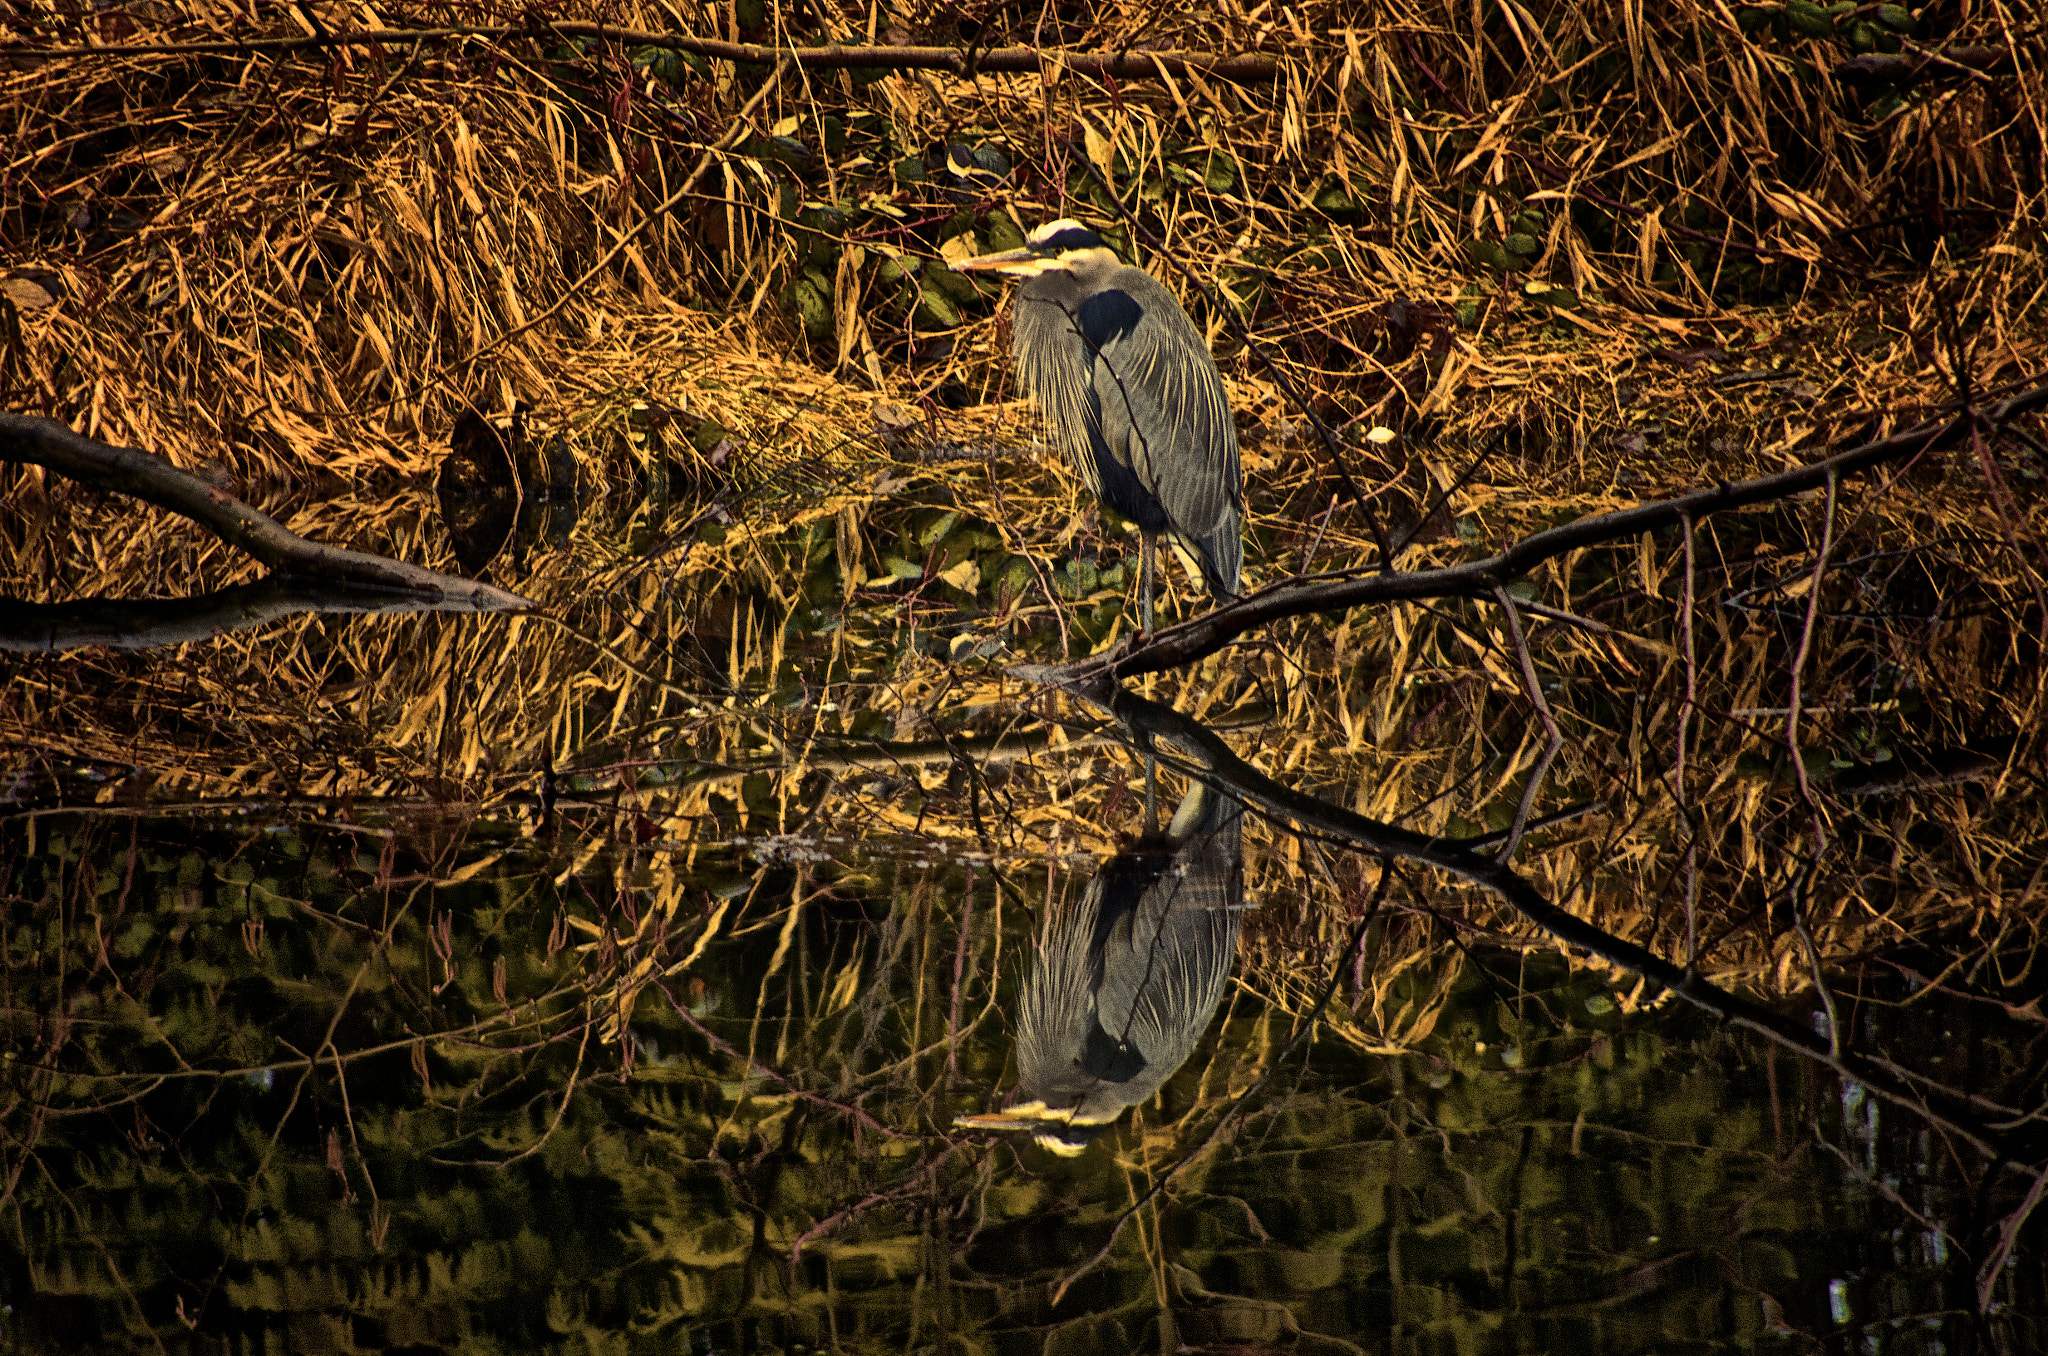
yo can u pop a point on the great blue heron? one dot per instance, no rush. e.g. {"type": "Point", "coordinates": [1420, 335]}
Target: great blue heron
{"type": "Point", "coordinates": [1132, 395]}
{"type": "Point", "coordinates": [1124, 982]}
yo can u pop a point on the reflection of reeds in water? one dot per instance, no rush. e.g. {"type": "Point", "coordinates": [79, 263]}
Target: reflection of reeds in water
{"type": "Point", "coordinates": [692, 694]}
{"type": "Point", "coordinates": [313, 1077]}
{"type": "Point", "coordinates": [313, 326]}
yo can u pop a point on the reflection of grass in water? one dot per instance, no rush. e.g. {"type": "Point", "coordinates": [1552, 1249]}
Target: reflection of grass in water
{"type": "Point", "coordinates": [776, 645]}
{"type": "Point", "coordinates": [464, 1163]}
{"type": "Point", "coordinates": [318, 326]}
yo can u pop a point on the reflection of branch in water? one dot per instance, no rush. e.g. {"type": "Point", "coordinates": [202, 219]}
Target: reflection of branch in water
{"type": "Point", "coordinates": [918, 1181]}
{"type": "Point", "coordinates": [756, 1067]}
{"type": "Point", "coordinates": [1214, 762]}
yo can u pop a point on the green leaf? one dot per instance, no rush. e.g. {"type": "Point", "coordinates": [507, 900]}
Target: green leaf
{"type": "Point", "coordinates": [811, 306]}
{"type": "Point", "coordinates": [937, 309]}
{"type": "Point", "coordinates": [999, 232]}
{"type": "Point", "coordinates": [1334, 197]}
{"type": "Point", "coordinates": [958, 287]}
{"type": "Point", "coordinates": [899, 268]}
{"type": "Point", "coordinates": [1489, 252]}
{"type": "Point", "coordinates": [1809, 18]}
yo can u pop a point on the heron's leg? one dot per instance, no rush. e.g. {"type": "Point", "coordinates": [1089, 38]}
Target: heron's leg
{"type": "Point", "coordinates": [1151, 794]}
{"type": "Point", "coordinates": [1149, 551]}
{"type": "Point", "coordinates": [1146, 552]}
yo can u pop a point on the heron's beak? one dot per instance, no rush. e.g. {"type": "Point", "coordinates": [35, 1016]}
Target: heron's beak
{"type": "Point", "coordinates": [1017, 263]}
{"type": "Point", "coordinates": [1001, 1120]}
{"type": "Point", "coordinates": [1058, 1131]}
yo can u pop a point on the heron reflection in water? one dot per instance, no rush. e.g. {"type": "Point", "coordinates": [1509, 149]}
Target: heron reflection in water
{"type": "Point", "coordinates": [1126, 980]}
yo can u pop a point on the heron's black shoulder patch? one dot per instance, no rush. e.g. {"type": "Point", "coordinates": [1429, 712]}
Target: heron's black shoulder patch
{"type": "Point", "coordinates": [1064, 239]}
{"type": "Point", "coordinates": [1105, 1058]}
{"type": "Point", "coordinates": [1110, 314]}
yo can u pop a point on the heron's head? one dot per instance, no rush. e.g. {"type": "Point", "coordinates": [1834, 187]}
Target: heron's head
{"type": "Point", "coordinates": [1064, 1130]}
{"type": "Point", "coordinates": [1063, 246]}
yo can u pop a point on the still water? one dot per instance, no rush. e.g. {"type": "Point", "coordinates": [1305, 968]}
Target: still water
{"type": "Point", "coordinates": [442, 1083]}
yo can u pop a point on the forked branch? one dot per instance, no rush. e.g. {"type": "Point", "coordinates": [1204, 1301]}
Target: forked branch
{"type": "Point", "coordinates": [1186, 642]}
{"type": "Point", "coordinates": [124, 470]}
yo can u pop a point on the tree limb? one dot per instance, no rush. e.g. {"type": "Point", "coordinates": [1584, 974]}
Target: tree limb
{"type": "Point", "coordinates": [149, 623]}
{"type": "Point", "coordinates": [1186, 642]}
{"type": "Point", "coordinates": [124, 470]}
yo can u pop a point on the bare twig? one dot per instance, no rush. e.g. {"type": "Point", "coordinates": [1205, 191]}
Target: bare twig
{"type": "Point", "coordinates": [1560, 614]}
{"type": "Point", "coordinates": [1052, 599]}
{"type": "Point", "coordinates": [1820, 569]}
{"type": "Point", "coordinates": [959, 974]}
{"type": "Point", "coordinates": [951, 60]}
{"type": "Point", "coordinates": [756, 1067]}
{"type": "Point", "coordinates": [839, 1217]}
{"type": "Point", "coordinates": [1553, 740]}
{"type": "Point", "coordinates": [1685, 716]}
{"type": "Point", "coordinates": [2008, 1235]}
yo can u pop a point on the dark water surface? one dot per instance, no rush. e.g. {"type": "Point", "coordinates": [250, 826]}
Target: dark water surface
{"type": "Point", "coordinates": [442, 1084]}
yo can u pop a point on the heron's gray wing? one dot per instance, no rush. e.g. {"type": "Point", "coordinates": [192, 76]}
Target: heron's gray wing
{"type": "Point", "coordinates": [1055, 362]}
{"type": "Point", "coordinates": [1174, 967]}
{"type": "Point", "coordinates": [1162, 411]}
{"type": "Point", "coordinates": [1057, 1011]}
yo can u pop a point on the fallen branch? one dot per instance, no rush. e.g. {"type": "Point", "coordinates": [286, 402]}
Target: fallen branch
{"type": "Point", "coordinates": [1971, 62]}
{"type": "Point", "coordinates": [150, 623]}
{"type": "Point", "coordinates": [124, 470]}
{"type": "Point", "coordinates": [1189, 641]}
{"type": "Point", "coordinates": [952, 60]}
